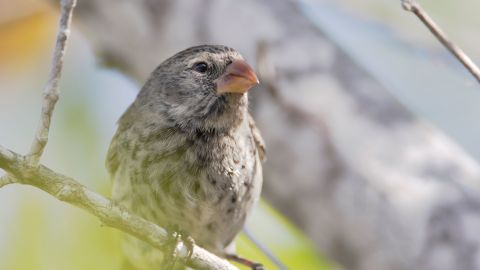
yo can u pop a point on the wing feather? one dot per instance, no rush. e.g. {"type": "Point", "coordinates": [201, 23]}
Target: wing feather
{"type": "Point", "coordinates": [259, 142]}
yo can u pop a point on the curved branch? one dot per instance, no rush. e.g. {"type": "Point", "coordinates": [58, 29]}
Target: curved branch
{"type": "Point", "coordinates": [70, 191]}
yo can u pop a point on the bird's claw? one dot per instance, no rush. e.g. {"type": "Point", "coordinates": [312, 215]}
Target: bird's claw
{"type": "Point", "coordinates": [175, 236]}
{"type": "Point", "coordinates": [170, 247]}
{"type": "Point", "coordinates": [189, 244]}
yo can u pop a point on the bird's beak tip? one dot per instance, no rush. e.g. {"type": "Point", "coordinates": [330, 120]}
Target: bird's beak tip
{"type": "Point", "coordinates": [239, 77]}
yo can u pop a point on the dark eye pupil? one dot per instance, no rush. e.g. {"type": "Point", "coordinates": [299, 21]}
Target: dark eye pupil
{"type": "Point", "coordinates": [201, 67]}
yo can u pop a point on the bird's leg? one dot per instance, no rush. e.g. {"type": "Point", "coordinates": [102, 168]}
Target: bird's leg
{"type": "Point", "coordinates": [170, 248]}
{"type": "Point", "coordinates": [189, 243]}
{"type": "Point", "coordinates": [175, 235]}
{"type": "Point", "coordinates": [244, 261]}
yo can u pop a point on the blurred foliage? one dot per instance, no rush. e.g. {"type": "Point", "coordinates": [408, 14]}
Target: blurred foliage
{"type": "Point", "coordinates": [46, 234]}
{"type": "Point", "coordinates": [25, 36]}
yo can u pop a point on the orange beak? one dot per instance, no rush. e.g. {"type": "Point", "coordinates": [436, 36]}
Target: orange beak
{"type": "Point", "coordinates": [238, 78]}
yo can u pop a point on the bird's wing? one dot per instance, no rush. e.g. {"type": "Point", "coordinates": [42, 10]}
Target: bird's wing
{"type": "Point", "coordinates": [114, 151]}
{"type": "Point", "coordinates": [112, 160]}
{"type": "Point", "coordinates": [259, 143]}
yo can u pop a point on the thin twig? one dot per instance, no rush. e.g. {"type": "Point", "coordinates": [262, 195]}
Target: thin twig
{"type": "Point", "coordinates": [51, 91]}
{"type": "Point", "coordinates": [414, 7]}
{"type": "Point", "coordinates": [70, 191]}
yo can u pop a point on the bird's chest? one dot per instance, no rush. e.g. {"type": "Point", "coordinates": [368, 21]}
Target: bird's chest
{"type": "Point", "coordinates": [204, 185]}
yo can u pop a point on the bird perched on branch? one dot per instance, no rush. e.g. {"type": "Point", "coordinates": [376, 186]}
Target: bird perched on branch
{"type": "Point", "coordinates": [187, 154]}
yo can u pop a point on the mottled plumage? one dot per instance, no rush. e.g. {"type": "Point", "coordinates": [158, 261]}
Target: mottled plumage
{"type": "Point", "coordinates": [186, 155]}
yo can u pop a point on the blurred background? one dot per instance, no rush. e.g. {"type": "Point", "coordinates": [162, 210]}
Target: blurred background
{"type": "Point", "coordinates": [379, 170]}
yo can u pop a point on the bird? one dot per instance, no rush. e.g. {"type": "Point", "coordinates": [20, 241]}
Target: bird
{"type": "Point", "coordinates": [187, 153]}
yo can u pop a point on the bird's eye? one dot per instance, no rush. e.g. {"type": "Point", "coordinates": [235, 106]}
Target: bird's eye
{"type": "Point", "coordinates": [201, 67]}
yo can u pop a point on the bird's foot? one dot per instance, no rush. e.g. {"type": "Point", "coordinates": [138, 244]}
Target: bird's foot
{"type": "Point", "coordinates": [246, 262]}
{"type": "Point", "coordinates": [175, 236]}
{"type": "Point", "coordinates": [170, 248]}
{"type": "Point", "coordinates": [189, 244]}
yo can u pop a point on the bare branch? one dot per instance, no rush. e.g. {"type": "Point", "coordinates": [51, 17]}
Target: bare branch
{"type": "Point", "coordinates": [27, 170]}
{"type": "Point", "coordinates": [70, 191]}
{"type": "Point", "coordinates": [51, 92]}
{"type": "Point", "coordinates": [414, 7]}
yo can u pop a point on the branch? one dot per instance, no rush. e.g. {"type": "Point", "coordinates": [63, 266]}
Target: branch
{"type": "Point", "coordinates": [27, 170]}
{"type": "Point", "coordinates": [51, 92]}
{"type": "Point", "coordinates": [70, 191]}
{"type": "Point", "coordinates": [414, 7]}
